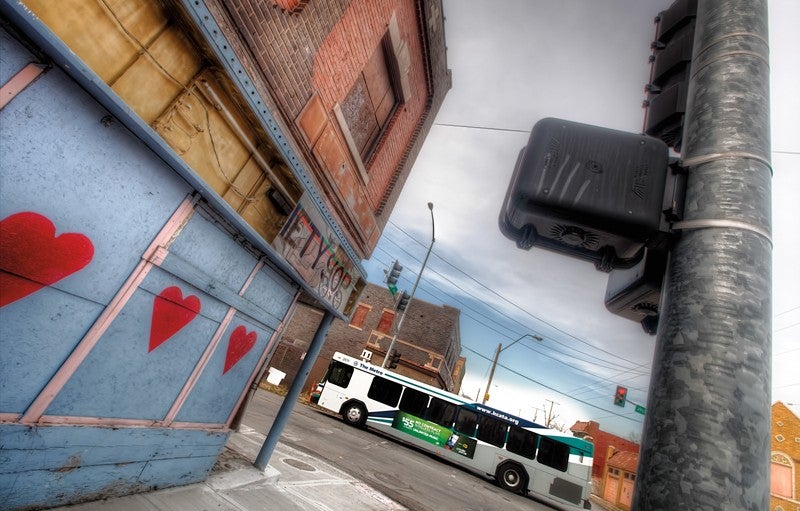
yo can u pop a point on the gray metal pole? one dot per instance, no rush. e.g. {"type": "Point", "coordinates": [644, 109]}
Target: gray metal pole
{"type": "Point", "coordinates": [413, 290]}
{"type": "Point", "coordinates": [294, 392]}
{"type": "Point", "coordinates": [491, 373]}
{"type": "Point", "coordinates": [706, 442]}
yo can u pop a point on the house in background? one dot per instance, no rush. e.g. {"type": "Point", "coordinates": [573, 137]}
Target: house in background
{"type": "Point", "coordinates": [619, 476]}
{"type": "Point", "coordinates": [429, 342]}
{"type": "Point", "coordinates": [177, 176]}
{"type": "Point", "coordinates": [784, 488]}
{"type": "Point", "coordinates": [602, 440]}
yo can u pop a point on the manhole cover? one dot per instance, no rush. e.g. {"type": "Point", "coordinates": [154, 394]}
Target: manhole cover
{"type": "Point", "coordinates": [300, 465]}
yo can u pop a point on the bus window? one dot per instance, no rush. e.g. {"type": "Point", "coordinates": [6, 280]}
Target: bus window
{"type": "Point", "coordinates": [522, 442]}
{"type": "Point", "coordinates": [466, 420]}
{"type": "Point", "coordinates": [441, 412]}
{"type": "Point", "coordinates": [339, 374]}
{"type": "Point", "coordinates": [414, 402]}
{"type": "Point", "coordinates": [553, 454]}
{"type": "Point", "coordinates": [384, 391]}
{"type": "Point", "coordinates": [491, 430]}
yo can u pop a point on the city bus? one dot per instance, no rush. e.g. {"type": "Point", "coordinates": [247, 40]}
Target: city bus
{"type": "Point", "coordinates": [523, 456]}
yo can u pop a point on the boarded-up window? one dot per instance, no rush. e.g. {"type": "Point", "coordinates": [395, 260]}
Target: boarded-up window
{"type": "Point", "coordinates": [370, 102]}
{"type": "Point", "coordinates": [357, 321]}
{"type": "Point", "coordinates": [780, 480]}
{"type": "Point", "coordinates": [385, 324]}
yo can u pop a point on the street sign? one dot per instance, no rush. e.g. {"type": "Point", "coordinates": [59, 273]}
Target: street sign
{"type": "Point", "coordinates": [640, 409]}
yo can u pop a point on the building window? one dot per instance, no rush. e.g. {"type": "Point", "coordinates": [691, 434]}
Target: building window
{"type": "Point", "coordinates": [357, 321]}
{"type": "Point", "coordinates": [781, 476]}
{"type": "Point", "coordinates": [385, 324]}
{"type": "Point", "coordinates": [369, 104]}
{"type": "Point", "coordinates": [382, 85]}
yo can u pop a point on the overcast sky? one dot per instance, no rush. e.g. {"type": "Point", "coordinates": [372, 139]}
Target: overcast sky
{"type": "Point", "coordinates": [513, 63]}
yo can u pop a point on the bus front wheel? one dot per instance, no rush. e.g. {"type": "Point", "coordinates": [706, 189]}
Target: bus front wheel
{"type": "Point", "coordinates": [512, 477]}
{"type": "Point", "coordinates": [354, 414]}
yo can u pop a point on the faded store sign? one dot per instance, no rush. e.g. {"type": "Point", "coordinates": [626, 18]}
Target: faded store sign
{"type": "Point", "coordinates": [313, 249]}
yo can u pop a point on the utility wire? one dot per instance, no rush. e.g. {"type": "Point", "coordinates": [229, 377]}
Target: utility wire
{"type": "Point", "coordinates": [470, 308]}
{"type": "Point", "coordinates": [554, 389]}
{"type": "Point", "coordinates": [594, 361]}
{"type": "Point", "coordinates": [492, 291]}
{"type": "Point", "coordinates": [466, 126]}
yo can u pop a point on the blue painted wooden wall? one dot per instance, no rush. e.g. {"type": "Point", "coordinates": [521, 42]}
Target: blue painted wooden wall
{"type": "Point", "coordinates": [62, 158]}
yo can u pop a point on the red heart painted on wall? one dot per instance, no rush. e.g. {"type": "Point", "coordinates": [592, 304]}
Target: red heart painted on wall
{"type": "Point", "coordinates": [171, 312]}
{"type": "Point", "coordinates": [32, 256]}
{"type": "Point", "coordinates": [239, 344]}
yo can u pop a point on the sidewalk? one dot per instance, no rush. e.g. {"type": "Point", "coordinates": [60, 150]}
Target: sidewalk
{"type": "Point", "coordinates": [293, 481]}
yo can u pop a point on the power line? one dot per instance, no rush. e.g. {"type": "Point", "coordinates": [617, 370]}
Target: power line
{"type": "Point", "coordinates": [467, 126]}
{"type": "Point", "coordinates": [553, 389]}
{"type": "Point", "coordinates": [470, 308]}
{"type": "Point", "coordinates": [594, 361]}
{"type": "Point", "coordinates": [492, 291]}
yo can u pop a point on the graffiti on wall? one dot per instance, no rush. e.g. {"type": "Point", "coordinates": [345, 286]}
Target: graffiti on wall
{"type": "Point", "coordinates": [315, 255]}
{"type": "Point", "coordinates": [32, 256]}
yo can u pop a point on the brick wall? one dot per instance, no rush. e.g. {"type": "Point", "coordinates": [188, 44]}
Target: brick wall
{"type": "Point", "coordinates": [432, 328]}
{"type": "Point", "coordinates": [318, 52]}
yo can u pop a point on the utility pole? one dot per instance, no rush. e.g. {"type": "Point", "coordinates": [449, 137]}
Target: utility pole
{"type": "Point", "coordinates": [706, 439]}
{"type": "Point", "coordinates": [500, 349]}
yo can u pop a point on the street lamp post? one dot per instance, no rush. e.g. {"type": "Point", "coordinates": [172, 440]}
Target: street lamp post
{"type": "Point", "coordinates": [501, 349]}
{"type": "Point", "coordinates": [413, 290]}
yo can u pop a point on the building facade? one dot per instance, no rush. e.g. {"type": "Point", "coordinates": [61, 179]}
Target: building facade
{"type": "Point", "coordinates": [619, 477]}
{"type": "Point", "coordinates": [429, 342]}
{"type": "Point", "coordinates": [175, 177]}
{"type": "Point", "coordinates": [602, 441]}
{"type": "Point", "coordinates": [784, 488]}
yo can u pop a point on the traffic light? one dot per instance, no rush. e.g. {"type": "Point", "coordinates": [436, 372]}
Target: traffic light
{"type": "Point", "coordinates": [669, 75]}
{"type": "Point", "coordinates": [402, 303]}
{"type": "Point", "coordinates": [394, 359]}
{"type": "Point", "coordinates": [635, 293]}
{"type": "Point", "coordinates": [621, 396]}
{"type": "Point", "coordinates": [392, 276]}
{"type": "Point", "coordinates": [589, 192]}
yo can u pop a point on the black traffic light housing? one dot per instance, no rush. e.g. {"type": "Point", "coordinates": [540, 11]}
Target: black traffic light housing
{"type": "Point", "coordinates": [402, 302]}
{"type": "Point", "coordinates": [394, 359]}
{"type": "Point", "coordinates": [621, 396]}
{"type": "Point", "coordinates": [669, 76]}
{"type": "Point", "coordinates": [589, 192]}
{"type": "Point", "coordinates": [635, 293]}
{"type": "Point", "coordinates": [392, 276]}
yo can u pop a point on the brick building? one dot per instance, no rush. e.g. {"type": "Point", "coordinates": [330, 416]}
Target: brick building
{"type": "Point", "coordinates": [358, 84]}
{"type": "Point", "coordinates": [784, 488]}
{"type": "Point", "coordinates": [429, 341]}
{"type": "Point", "coordinates": [177, 175]}
{"type": "Point", "coordinates": [602, 440]}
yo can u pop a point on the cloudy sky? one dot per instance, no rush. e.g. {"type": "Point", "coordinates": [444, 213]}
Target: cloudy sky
{"type": "Point", "coordinates": [586, 61]}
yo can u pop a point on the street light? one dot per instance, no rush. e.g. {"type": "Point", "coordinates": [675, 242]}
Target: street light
{"type": "Point", "coordinates": [500, 349]}
{"type": "Point", "coordinates": [413, 290]}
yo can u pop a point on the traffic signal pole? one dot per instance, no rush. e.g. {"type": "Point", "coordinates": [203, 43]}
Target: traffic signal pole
{"type": "Point", "coordinates": [706, 440]}
{"type": "Point", "coordinates": [413, 290]}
